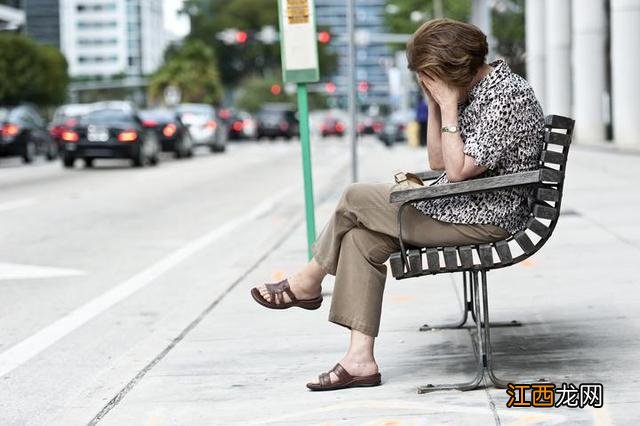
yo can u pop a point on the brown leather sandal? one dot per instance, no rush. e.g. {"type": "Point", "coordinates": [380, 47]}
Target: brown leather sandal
{"type": "Point", "coordinates": [345, 380]}
{"type": "Point", "coordinates": [277, 290]}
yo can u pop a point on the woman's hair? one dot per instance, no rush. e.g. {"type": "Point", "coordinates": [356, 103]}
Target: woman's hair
{"type": "Point", "coordinates": [449, 50]}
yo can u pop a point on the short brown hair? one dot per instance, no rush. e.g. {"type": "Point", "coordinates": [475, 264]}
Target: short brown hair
{"type": "Point", "coordinates": [447, 49]}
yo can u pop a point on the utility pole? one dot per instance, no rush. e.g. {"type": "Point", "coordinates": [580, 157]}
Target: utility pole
{"type": "Point", "coordinates": [353, 112]}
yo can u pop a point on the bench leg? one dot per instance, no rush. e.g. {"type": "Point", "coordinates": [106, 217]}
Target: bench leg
{"type": "Point", "coordinates": [481, 340]}
{"type": "Point", "coordinates": [467, 286]}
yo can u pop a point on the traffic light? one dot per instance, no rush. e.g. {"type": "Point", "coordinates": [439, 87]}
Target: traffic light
{"type": "Point", "coordinates": [363, 86]}
{"type": "Point", "coordinates": [324, 37]}
{"type": "Point", "coordinates": [276, 89]}
{"type": "Point", "coordinates": [241, 37]}
{"type": "Point", "coordinates": [330, 87]}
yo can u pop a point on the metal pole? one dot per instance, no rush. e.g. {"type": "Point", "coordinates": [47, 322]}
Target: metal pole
{"type": "Point", "coordinates": [303, 109]}
{"type": "Point", "coordinates": [351, 27]}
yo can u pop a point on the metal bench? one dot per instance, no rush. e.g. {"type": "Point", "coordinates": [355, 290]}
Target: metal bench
{"type": "Point", "coordinates": [546, 184]}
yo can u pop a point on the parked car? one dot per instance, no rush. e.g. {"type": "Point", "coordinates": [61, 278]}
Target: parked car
{"type": "Point", "coordinates": [23, 133]}
{"type": "Point", "coordinates": [277, 120]}
{"type": "Point", "coordinates": [395, 128]}
{"type": "Point", "coordinates": [205, 127]}
{"type": "Point", "coordinates": [171, 132]}
{"type": "Point", "coordinates": [110, 133]}
{"type": "Point", "coordinates": [242, 126]}
{"type": "Point", "coordinates": [332, 126]}
{"type": "Point", "coordinates": [64, 117]}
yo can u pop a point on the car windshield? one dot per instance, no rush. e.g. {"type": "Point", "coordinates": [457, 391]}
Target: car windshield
{"type": "Point", "coordinates": [271, 114]}
{"type": "Point", "coordinates": [159, 115]}
{"type": "Point", "coordinates": [64, 113]}
{"type": "Point", "coordinates": [107, 116]}
{"type": "Point", "coordinates": [7, 114]}
{"type": "Point", "coordinates": [196, 110]}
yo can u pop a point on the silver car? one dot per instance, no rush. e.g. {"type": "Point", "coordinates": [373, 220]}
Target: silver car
{"type": "Point", "coordinates": [204, 125]}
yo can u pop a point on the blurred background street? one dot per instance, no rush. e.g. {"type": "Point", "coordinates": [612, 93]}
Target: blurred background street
{"type": "Point", "coordinates": [150, 174]}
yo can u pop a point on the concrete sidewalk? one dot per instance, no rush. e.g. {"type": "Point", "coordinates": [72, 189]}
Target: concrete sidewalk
{"type": "Point", "coordinates": [578, 299]}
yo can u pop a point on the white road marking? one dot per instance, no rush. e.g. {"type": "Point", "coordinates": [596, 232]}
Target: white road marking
{"type": "Point", "coordinates": [33, 345]}
{"type": "Point", "coordinates": [16, 204]}
{"type": "Point", "coordinates": [16, 271]}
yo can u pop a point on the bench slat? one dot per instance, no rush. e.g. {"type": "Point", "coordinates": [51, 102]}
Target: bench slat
{"type": "Point", "coordinates": [537, 227]}
{"type": "Point", "coordinates": [450, 258]}
{"type": "Point", "coordinates": [433, 260]}
{"type": "Point", "coordinates": [557, 138]}
{"type": "Point", "coordinates": [550, 175]}
{"type": "Point", "coordinates": [415, 260]}
{"type": "Point", "coordinates": [466, 256]}
{"type": "Point", "coordinates": [558, 122]}
{"type": "Point", "coordinates": [504, 253]}
{"type": "Point", "coordinates": [545, 212]}
{"type": "Point", "coordinates": [485, 254]}
{"type": "Point", "coordinates": [548, 194]}
{"type": "Point", "coordinates": [524, 242]}
{"type": "Point", "coordinates": [553, 157]}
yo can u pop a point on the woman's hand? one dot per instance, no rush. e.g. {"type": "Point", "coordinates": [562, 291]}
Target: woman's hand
{"type": "Point", "coordinates": [443, 94]}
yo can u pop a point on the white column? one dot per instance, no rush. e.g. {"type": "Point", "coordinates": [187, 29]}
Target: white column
{"type": "Point", "coordinates": [589, 69]}
{"type": "Point", "coordinates": [481, 18]}
{"type": "Point", "coordinates": [535, 45]}
{"type": "Point", "coordinates": [558, 65]}
{"type": "Point", "coordinates": [625, 69]}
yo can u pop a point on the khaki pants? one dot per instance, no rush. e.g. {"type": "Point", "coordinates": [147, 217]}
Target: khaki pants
{"type": "Point", "coordinates": [360, 237]}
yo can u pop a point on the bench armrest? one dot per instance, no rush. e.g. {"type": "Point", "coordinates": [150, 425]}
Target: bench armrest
{"type": "Point", "coordinates": [475, 185]}
{"type": "Point", "coordinates": [429, 175]}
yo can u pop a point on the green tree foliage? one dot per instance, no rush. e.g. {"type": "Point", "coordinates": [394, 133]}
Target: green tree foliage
{"type": "Point", "coordinates": [31, 72]}
{"type": "Point", "coordinates": [398, 17]}
{"type": "Point", "coordinates": [238, 61]}
{"type": "Point", "coordinates": [507, 18]}
{"type": "Point", "coordinates": [192, 69]}
{"type": "Point", "coordinates": [255, 91]}
{"type": "Point", "coordinates": [509, 33]}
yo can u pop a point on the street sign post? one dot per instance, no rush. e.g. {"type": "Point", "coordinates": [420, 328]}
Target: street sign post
{"type": "Point", "coordinates": [299, 53]}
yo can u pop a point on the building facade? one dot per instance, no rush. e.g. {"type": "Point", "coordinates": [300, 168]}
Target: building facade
{"type": "Point", "coordinates": [583, 60]}
{"type": "Point", "coordinates": [101, 37]}
{"type": "Point", "coordinates": [373, 59]}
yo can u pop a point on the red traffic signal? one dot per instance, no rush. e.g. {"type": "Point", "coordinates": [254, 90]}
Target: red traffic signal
{"type": "Point", "coordinates": [324, 37]}
{"type": "Point", "coordinates": [241, 37]}
{"type": "Point", "coordinates": [363, 86]}
{"type": "Point", "coordinates": [330, 87]}
{"type": "Point", "coordinates": [276, 89]}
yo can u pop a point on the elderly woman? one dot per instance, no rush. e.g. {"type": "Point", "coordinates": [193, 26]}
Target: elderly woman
{"type": "Point", "coordinates": [483, 121]}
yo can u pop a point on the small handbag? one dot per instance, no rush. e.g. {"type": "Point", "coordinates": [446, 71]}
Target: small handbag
{"type": "Point", "coordinates": [406, 180]}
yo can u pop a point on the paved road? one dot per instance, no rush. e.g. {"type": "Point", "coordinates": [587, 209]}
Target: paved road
{"type": "Point", "coordinates": [100, 268]}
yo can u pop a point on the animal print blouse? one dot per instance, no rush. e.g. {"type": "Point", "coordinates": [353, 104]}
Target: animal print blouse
{"type": "Point", "coordinates": [502, 126]}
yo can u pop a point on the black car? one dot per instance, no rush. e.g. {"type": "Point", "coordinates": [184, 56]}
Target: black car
{"type": "Point", "coordinates": [277, 121]}
{"type": "Point", "coordinates": [110, 133]}
{"type": "Point", "coordinates": [241, 126]}
{"type": "Point", "coordinates": [171, 132]}
{"type": "Point", "coordinates": [23, 133]}
{"type": "Point", "coordinates": [66, 116]}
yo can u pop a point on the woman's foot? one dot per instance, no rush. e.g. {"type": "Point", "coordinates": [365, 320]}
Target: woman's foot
{"type": "Point", "coordinates": [354, 367]}
{"type": "Point", "coordinates": [305, 285]}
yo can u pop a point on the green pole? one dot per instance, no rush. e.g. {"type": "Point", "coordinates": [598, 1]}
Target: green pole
{"type": "Point", "coordinates": [303, 110]}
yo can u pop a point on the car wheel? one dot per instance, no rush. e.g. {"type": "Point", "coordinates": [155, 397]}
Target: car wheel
{"type": "Point", "coordinates": [29, 152]}
{"type": "Point", "coordinates": [177, 154]}
{"type": "Point", "coordinates": [138, 158]}
{"type": "Point", "coordinates": [88, 162]}
{"type": "Point", "coordinates": [52, 151]}
{"type": "Point", "coordinates": [68, 161]}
